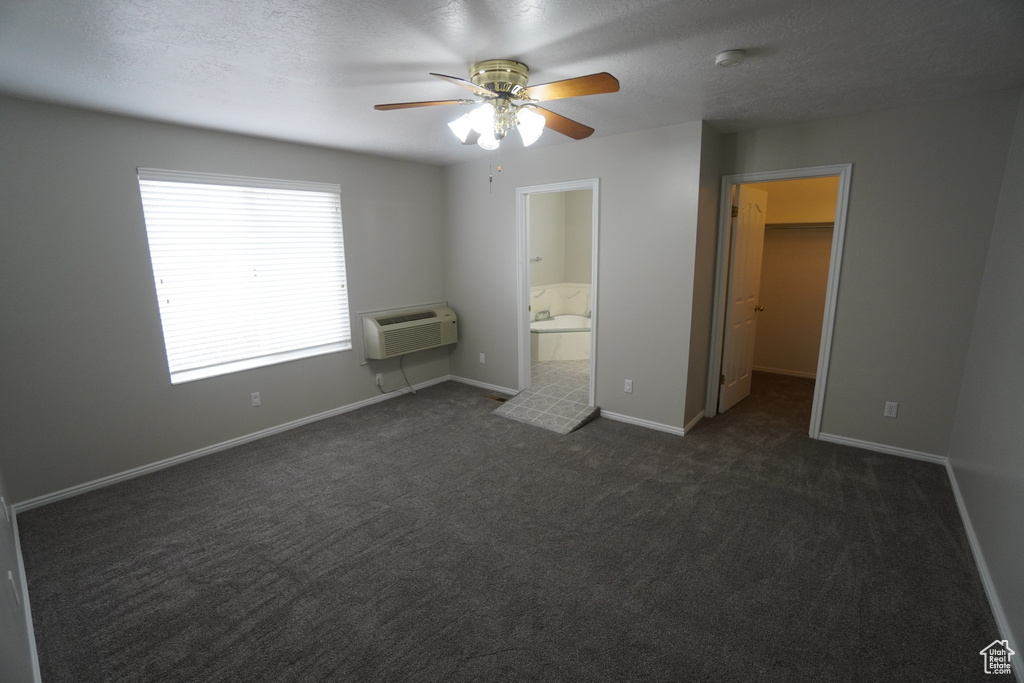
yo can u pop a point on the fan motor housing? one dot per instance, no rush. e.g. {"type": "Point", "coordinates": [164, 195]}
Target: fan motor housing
{"type": "Point", "coordinates": [503, 76]}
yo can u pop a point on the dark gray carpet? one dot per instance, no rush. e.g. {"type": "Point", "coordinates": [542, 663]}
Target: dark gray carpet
{"type": "Point", "coordinates": [427, 539]}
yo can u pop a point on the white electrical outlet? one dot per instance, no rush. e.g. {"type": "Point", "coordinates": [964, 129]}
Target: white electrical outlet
{"type": "Point", "coordinates": [255, 399]}
{"type": "Point", "coordinates": [482, 361]}
{"type": "Point", "coordinates": [380, 379]}
{"type": "Point", "coordinates": [629, 386]}
{"type": "Point", "coordinates": [890, 408]}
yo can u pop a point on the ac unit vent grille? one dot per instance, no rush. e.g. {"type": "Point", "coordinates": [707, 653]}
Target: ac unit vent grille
{"type": "Point", "coordinates": [412, 339]}
{"type": "Point", "coordinates": [406, 318]}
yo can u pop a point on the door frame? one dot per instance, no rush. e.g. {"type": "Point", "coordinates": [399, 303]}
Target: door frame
{"type": "Point", "coordinates": [729, 183]}
{"type": "Point", "coordinates": [523, 246]}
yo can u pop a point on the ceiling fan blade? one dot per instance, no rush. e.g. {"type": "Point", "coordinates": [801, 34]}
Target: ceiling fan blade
{"type": "Point", "coordinates": [463, 83]}
{"type": "Point", "coordinates": [560, 124]}
{"type": "Point", "coordinates": [409, 105]}
{"type": "Point", "coordinates": [594, 84]}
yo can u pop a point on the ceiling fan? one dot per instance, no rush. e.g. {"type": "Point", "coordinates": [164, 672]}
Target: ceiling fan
{"type": "Point", "coordinates": [507, 102]}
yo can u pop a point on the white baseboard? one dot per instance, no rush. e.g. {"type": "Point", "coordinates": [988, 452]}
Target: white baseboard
{"type": "Point", "coordinates": [789, 373]}
{"type": "Point", "coordinates": [618, 417]}
{"type": "Point", "coordinates": [882, 448]}
{"type": "Point", "coordinates": [692, 423]}
{"type": "Point", "coordinates": [385, 395]}
{"type": "Point", "coordinates": [215, 448]}
{"type": "Point", "coordinates": [23, 589]}
{"type": "Point", "coordinates": [1002, 623]}
{"type": "Point", "coordinates": [483, 385]}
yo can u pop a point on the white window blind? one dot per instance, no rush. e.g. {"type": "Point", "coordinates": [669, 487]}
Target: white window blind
{"type": "Point", "coordinates": [249, 272]}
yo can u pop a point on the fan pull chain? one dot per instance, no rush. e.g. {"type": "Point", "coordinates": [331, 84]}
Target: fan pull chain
{"type": "Point", "coordinates": [490, 173]}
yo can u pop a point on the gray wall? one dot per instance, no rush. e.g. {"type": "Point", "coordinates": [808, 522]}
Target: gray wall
{"type": "Point", "coordinates": [648, 211]}
{"type": "Point", "coordinates": [987, 452]}
{"type": "Point", "coordinates": [86, 392]}
{"type": "Point", "coordinates": [705, 247]}
{"type": "Point", "coordinates": [924, 189]}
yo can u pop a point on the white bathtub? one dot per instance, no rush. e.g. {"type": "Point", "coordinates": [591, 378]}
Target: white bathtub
{"type": "Point", "coordinates": [564, 337]}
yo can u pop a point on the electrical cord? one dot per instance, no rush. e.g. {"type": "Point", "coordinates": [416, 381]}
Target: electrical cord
{"type": "Point", "coordinates": [400, 361]}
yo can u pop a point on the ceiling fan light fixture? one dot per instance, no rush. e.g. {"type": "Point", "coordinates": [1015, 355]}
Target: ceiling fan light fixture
{"type": "Point", "coordinates": [488, 141]}
{"type": "Point", "coordinates": [461, 127]}
{"type": "Point", "coordinates": [509, 102]}
{"type": "Point", "coordinates": [481, 119]}
{"type": "Point", "coordinates": [730, 58]}
{"type": "Point", "coordinates": [530, 125]}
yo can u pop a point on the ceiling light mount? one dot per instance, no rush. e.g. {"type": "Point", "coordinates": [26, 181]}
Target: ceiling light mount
{"type": "Point", "coordinates": [492, 121]}
{"type": "Point", "coordinates": [500, 75]}
{"type": "Point", "coordinates": [730, 58]}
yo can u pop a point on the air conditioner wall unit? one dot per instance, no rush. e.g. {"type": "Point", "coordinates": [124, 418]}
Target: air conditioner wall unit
{"type": "Point", "coordinates": [394, 334]}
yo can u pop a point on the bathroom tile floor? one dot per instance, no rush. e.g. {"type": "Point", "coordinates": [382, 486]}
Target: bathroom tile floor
{"type": "Point", "coordinates": [558, 398]}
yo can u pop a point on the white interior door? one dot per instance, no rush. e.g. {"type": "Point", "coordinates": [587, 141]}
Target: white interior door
{"type": "Point", "coordinates": [746, 249]}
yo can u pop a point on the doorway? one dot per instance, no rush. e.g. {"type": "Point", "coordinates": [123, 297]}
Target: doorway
{"type": "Point", "coordinates": [795, 311]}
{"type": "Point", "coordinates": [558, 239]}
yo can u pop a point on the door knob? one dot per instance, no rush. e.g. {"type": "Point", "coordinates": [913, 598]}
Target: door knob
{"type": "Point", "coordinates": [758, 308]}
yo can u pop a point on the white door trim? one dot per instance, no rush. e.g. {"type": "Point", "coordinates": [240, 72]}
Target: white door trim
{"type": "Point", "coordinates": [729, 182]}
{"type": "Point", "coordinates": [523, 245]}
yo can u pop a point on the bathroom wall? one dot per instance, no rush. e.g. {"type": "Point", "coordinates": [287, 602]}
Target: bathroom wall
{"type": "Point", "coordinates": [579, 233]}
{"type": "Point", "coordinates": [561, 234]}
{"type": "Point", "coordinates": [561, 231]}
{"type": "Point", "coordinates": [565, 298]}
{"type": "Point", "coordinates": [547, 238]}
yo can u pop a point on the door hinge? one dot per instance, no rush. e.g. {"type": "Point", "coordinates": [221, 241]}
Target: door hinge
{"type": "Point", "coordinates": [735, 211]}
{"type": "Point", "coordinates": [721, 379]}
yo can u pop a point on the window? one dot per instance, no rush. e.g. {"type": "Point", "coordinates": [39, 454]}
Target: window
{"type": "Point", "coordinates": [249, 272]}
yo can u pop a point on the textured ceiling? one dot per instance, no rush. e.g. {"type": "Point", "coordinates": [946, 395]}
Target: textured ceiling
{"type": "Point", "coordinates": [311, 70]}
